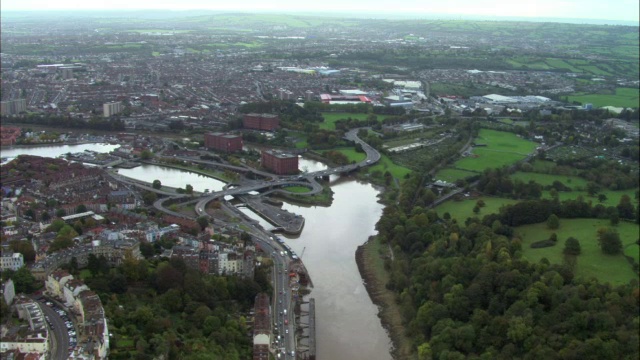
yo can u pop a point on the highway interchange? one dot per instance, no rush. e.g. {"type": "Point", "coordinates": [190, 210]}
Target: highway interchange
{"type": "Point", "coordinates": [282, 301]}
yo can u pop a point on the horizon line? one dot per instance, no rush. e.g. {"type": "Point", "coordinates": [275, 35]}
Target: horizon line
{"type": "Point", "coordinates": [360, 14]}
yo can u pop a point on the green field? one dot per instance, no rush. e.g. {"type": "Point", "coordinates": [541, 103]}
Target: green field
{"type": "Point", "coordinates": [561, 64]}
{"type": "Point", "coordinates": [451, 175]}
{"type": "Point", "coordinates": [633, 251]}
{"type": "Point", "coordinates": [385, 164]}
{"type": "Point", "coordinates": [591, 262]}
{"type": "Point", "coordinates": [352, 154]}
{"type": "Point", "coordinates": [330, 119]}
{"type": "Point", "coordinates": [503, 148]}
{"type": "Point", "coordinates": [613, 197]}
{"type": "Point", "coordinates": [624, 97]}
{"type": "Point", "coordinates": [461, 210]}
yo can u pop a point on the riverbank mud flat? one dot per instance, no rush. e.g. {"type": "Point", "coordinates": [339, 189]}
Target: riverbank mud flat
{"type": "Point", "coordinates": [384, 299]}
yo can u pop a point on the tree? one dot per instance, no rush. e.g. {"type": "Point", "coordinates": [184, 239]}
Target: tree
{"type": "Point", "coordinates": [146, 154]}
{"type": "Point", "coordinates": [149, 197]}
{"type": "Point", "coordinates": [609, 240]}
{"type": "Point", "coordinates": [553, 222]}
{"type": "Point", "coordinates": [45, 216]}
{"type": "Point", "coordinates": [30, 214]}
{"type": "Point", "coordinates": [188, 189]}
{"type": "Point", "coordinates": [602, 198]}
{"type": "Point", "coordinates": [203, 222]}
{"type": "Point", "coordinates": [61, 213]}
{"type": "Point", "coordinates": [81, 208]}
{"type": "Point", "coordinates": [157, 184]}
{"type": "Point", "coordinates": [625, 207]}
{"type": "Point", "coordinates": [593, 188]}
{"type": "Point", "coordinates": [572, 246]}
{"type": "Point", "coordinates": [23, 281]}
{"type": "Point", "coordinates": [93, 264]}
{"type": "Point", "coordinates": [25, 248]}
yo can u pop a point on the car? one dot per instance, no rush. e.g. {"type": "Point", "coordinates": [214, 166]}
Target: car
{"type": "Point", "coordinates": [286, 331]}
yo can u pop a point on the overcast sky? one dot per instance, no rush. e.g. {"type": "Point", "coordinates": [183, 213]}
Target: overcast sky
{"type": "Point", "coordinates": [627, 10]}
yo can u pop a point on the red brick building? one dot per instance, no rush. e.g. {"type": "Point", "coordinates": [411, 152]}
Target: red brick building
{"type": "Point", "coordinates": [280, 163]}
{"type": "Point", "coordinates": [261, 327]}
{"type": "Point", "coordinates": [268, 122]}
{"type": "Point", "coordinates": [223, 142]}
{"type": "Point", "coordinates": [9, 135]}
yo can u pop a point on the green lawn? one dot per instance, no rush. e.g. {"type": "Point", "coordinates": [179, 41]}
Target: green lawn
{"type": "Point", "coordinates": [85, 274]}
{"type": "Point", "coordinates": [451, 175]}
{"type": "Point", "coordinates": [624, 97]}
{"type": "Point", "coordinates": [297, 189]}
{"type": "Point", "coordinates": [385, 164]}
{"type": "Point", "coordinates": [461, 210]}
{"type": "Point", "coordinates": [543, 165]}
{"type": "Point", "coordinates": [614, 269]}
{"type": "Point", "coordinates": [613, 197]}
{"type": "Point", "coordinates": [487, 159]}
{"type": "Point", "coordinates": [503, 148]}
{"type": "Point", "coordinates": [330, 119]}
{"type": "Point", "coordinates": [352, 154]}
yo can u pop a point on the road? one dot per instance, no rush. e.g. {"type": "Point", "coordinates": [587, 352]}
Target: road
{"type": "Point", "coordinates": [284, 321]}
{"type": "Point", "coordinates": [60, 340]}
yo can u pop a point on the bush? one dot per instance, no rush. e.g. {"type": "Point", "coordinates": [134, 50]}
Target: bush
{"type": "Point", "coordinates": [572, 246]}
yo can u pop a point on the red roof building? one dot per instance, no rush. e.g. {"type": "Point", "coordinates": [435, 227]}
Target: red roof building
{"type": "Point", "coordinates": [279, 163]}
{"type": "Point", "coordinates": [268, 122]}
{"type": "Point", "coordinates": [223, 142]}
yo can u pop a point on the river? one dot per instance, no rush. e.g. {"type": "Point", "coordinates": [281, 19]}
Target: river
{"type": "Point", "coordinates": [54, 150]}
{"type": "Point", "coordinates": [347, 324]}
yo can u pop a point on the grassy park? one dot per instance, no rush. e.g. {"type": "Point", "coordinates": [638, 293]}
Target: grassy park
{"type": "Point", "coordinates": [591, 263]}
{"type": "Point", "coordinates": [385, 164]}
{"type": "Point", "coordinates": [330, 119]}
{"type": "Point", "coordinates": [502, 148]}
{"type": "Point", "coordinates": [461, 210]}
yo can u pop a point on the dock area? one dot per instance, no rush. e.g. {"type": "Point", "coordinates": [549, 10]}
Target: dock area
{"type": "Point", "coordinates": [282, 220]}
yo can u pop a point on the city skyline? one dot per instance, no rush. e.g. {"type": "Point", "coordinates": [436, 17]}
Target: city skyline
{"type": "Point", "coordinates": [620, 10]}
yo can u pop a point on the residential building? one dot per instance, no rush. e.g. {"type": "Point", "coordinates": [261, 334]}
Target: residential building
{"type": "Point", "coordinates": [268, 122]}
{"type": "Point", "coordinates": [112, 108]}
{"type": "Point", "coordinates": [13, 107]}
{"type": "Point", "coordinates": [223, 142]}
{"type": "Point", "coordinates": [8, 291]}
{"type": "Point", "coordinates": [9, 135]}
{"type": "Point", "coordinates": [279, 163]}
{"type": "Point", "coordinates": [11, 261]}
{"type": "Point", "coordinates": [261, 327]}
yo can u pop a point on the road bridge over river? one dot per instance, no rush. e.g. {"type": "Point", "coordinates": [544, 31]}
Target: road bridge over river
{"type": "Point", "coordinates": [306, 180]}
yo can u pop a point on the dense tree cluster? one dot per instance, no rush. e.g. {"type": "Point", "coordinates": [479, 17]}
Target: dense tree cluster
{"type": "Point", "coordinates": [162, 308]}
{"type": "Point", "coordinates": [465, 292]}
{"type": "Point", "coordinates": [71, 122]}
